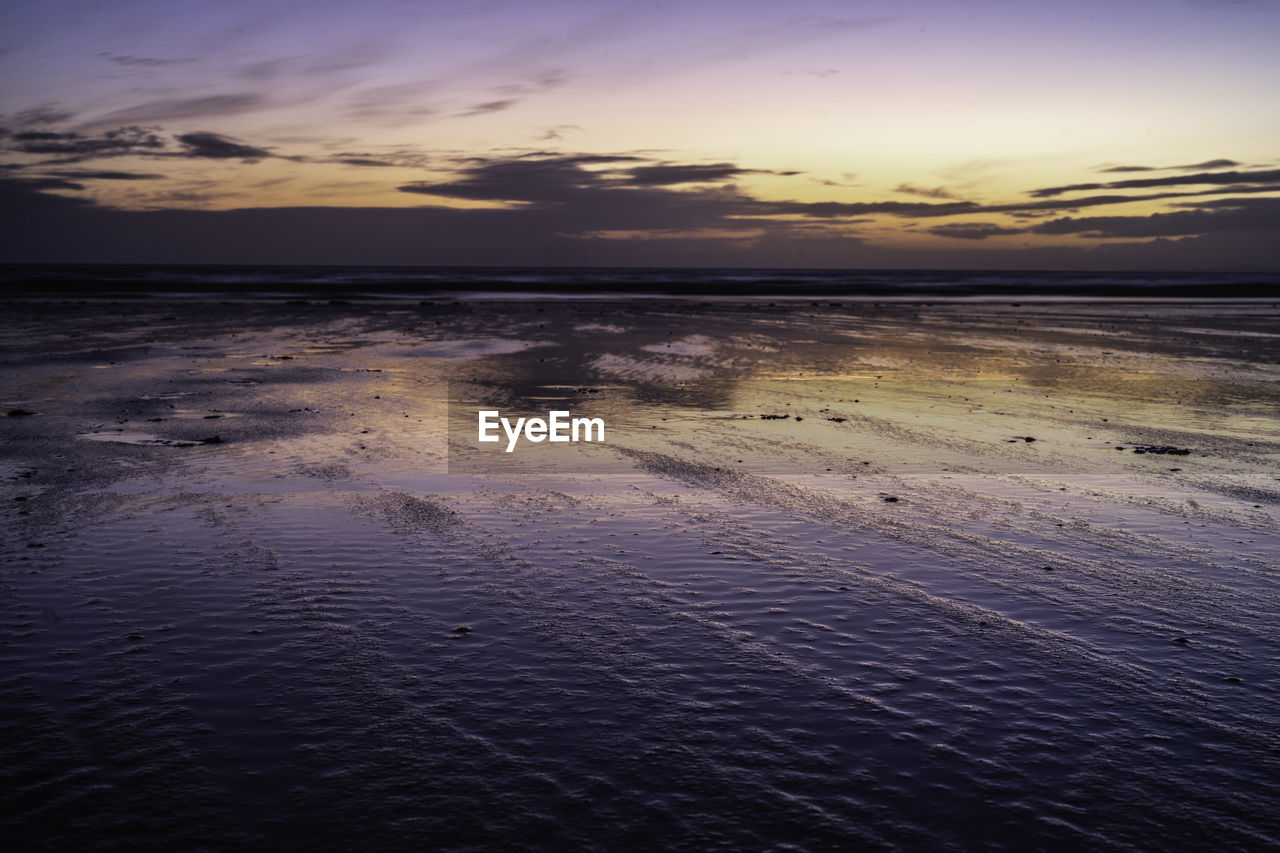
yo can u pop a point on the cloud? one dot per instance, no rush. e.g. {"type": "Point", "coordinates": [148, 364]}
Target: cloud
{"type": "Point", "coordinates": [535, 177]}
{"type": "Point", "coordinates": [403, 159]}
{"type": "Point", "coordinates": [40, 185]}
{"type": "Point", "coordinates": [926, 192]}
{"type": "Point", "coordinates": [538, 198]}
{"type": "Point", "coordinates": [840, 209]}
{"type": "Point", "coordinates": [361, 161]}
{"type": "Point", "coordinates": [557, 132]}
{"type": "Point", "coordinates": [514, 93]}
{"type": "Point", "coordinates": [972, 230]}
{"type": "Point", "coordinates": [636, 197]}
{"type": "Point", "coordinates": [1207, 164]}
{"type": "Point", "coordinates": [43, 115]}
{"type": "Point", "coordinates": [489, 107]}
{"type": "Point", "coordinates": [669, 174]}
{"type": "Point", "coordinates": [215, 146]}
{"type": "Point", "coordinates": [1233, 203]}
{"type": "Point", "coordinates": [576, 159]}
{"type": "Point", "coordinates": [1266, 176]}
{"type": "Point", "coordinates": [392, 105]}
{"type": "Point", "coordinates": [25, 202]}
{"type": "Point", "coordinates": [185, 108]}
{"type": "Point", "coordinates": [561, 194]}
{"type": "Point", "coordinates": [103, 175]}
{"type": "Point", "coordinates": [142, 61]}
{"type": "Point", "coordinates": [1248, 215]}
{"type": "Point", "coordinates": [74, 147]}
{"type": "Point", "coordinates": [545, 178]}
{"type": "Point", "coordinates": [552, 180]}
{"type": "Point", "coordinates": [545, 81]}
{"type": "Point", "coordinates": [704, 227]}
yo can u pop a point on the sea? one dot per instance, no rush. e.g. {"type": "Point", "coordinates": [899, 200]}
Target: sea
{"type": "Point", "coordinates": [617, 282]}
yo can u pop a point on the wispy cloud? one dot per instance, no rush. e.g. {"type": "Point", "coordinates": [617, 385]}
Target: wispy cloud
{"type": "Point", "coordinates": [1191, 167]}
{"type": "Point", "coordinates": [396, 104]}
{"type": "Point", "coordinates": [488, 107]}
{"type": "Point", "coordinates": [168, 109]}
{"type": "Point", "coordinates": [1265, 176]}
{"type": "Point", "coordinates": [972, 230]}
{"type": "Point", "coordinates": [103, 175]}
{"type": "Point", "coordinates": [75, 147]}
{"type": "Point", "coordinates": [361, 161]}
{"type": "Point", "coordinates": [215, 146]}
{"type": "Point", "coordinates": [142, 61]}
{"type": "Point", "coordinates": [70, 147]}
{"type": "Point", "coordinates": [1251, 214]}
{"type": "Point", "coordinates": [556, 132]}
{"type": "Point", "coordinates": [926, 192]}
{"type": "Point", "coordinates": [45, 115]}
{"type": "Point", "coordinates": [667, 174]}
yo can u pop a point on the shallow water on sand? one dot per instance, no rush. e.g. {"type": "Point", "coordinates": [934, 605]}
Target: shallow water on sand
{"type": "Point", "coordinates": [337, 624]}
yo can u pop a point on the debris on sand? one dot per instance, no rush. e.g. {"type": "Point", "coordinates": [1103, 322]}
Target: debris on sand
{"type": "Point", "coordinates": [1161, 449]}
{"type": "Point", "coordinates": [891, 499]}
{"type": "Point", "coordinates": [20, 413]}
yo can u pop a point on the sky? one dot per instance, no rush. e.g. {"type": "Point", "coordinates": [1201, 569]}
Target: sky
{"type": "Point", "coordinates": [810, 133]}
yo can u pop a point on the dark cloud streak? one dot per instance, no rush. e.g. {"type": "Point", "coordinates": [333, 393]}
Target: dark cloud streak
{"type": "Point", "coordinates": [972, 230]}
{"type": "Point", "coordinates": [925, 192]}
{"type": "Point", "coordinates": [1191, 167]}
{"type": "Point", "coordinates": [142, 61]}
{"type": "Point", "coordinates": [75, 148]}
{"type": "Point", "coordinates": [488, 107]}
{"type": "Point", "coordinates": [1263, 216]}
{"type": "Point", "coordinates": [207, 106]}
{"type": "Point", "coordinates": [1266, 176]}
{"type": "Point", "coordinates": [670, 174]}
{"type": "Point", "coordinates": [104, 175]}
{"type": "Point", "coordinates": [214, 146]}
{"type": "Point", "coordinates": [69, 147]}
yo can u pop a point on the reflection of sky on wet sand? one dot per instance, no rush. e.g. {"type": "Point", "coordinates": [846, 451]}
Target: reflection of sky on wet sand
{"type": "Point", "coordinates": [850, 374]}
{"type": "Point", "coordinates": [717, 624]}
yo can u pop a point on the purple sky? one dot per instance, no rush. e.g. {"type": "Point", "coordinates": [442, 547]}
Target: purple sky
{"type": "Point", "coordinates": [983, 134]}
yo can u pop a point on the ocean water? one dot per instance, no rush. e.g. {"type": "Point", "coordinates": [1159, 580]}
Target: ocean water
{"type": "Point", "coordinates": [88, 279]}
{"type": "Point", "coordinates": [252, 595]}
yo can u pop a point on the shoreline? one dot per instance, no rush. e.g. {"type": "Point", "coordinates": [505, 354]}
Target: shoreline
{"type": "Point", "coordinates": [552, 283]}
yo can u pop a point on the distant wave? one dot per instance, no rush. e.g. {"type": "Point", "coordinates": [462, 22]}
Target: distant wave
{"type": "Point", "coordinates": [368, 281]}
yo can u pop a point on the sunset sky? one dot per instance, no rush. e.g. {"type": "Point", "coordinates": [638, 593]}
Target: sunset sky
{"type": "Point", "coordinates": [804, 133]}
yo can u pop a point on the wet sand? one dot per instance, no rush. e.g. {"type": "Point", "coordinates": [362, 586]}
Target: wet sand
{"type": "Point", "coordinates": [844, 574]}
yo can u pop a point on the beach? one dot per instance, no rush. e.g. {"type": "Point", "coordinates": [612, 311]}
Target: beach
{"type": "Point", "coordinates": [843, 574]}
